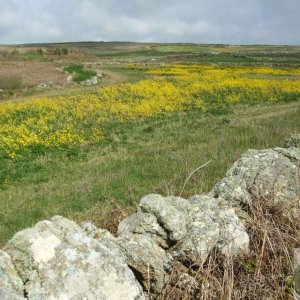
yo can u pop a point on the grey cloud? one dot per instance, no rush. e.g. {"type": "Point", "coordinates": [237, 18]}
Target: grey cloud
{"type": "Point", "coordinates": [214, 21]}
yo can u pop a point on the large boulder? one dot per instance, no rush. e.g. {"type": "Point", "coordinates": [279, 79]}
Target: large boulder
{"type": "Point", "coordinates": [58, 259]}
{"type": "Point", "coordinates": [259, 174]}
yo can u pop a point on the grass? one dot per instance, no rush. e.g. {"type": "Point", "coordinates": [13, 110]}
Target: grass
{"type": "Point", "coordinates": [80, 73]}
{"type": "Point", "coordinates": [140, 157]}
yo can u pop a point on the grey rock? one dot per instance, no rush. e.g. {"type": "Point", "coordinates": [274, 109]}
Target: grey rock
{"type": "Point", "coordinates": [92, 81]}
{"type": "Point", "coordinates": [11, 285]}
{"type": "Point", "coordinates": [145, 224]}
{"type": "Point", "coordinates": [57, 259]}
{"type": "Point", "coordinates": [203, 231]}
{"type": "Point", "coordinates": [171, 213]}
{"type": "Point", "coordinates": [261, 174]}
{"type": "Point", "coordinates": [195, 247]}
{"type": "Point", "coordinates": [69, 79]}
{"type": "Point", "coordinates": [213, 223]}
{"type": "Point", "coordinates": [292, 153]}
{"type": "Point", "coordinates": [147, 259]}
{"type": "Point", "coordinates": [233, 236]}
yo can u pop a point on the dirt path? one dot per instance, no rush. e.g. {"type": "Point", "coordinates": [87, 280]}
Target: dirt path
{"type": "Point", "coordinates": [260, 113]}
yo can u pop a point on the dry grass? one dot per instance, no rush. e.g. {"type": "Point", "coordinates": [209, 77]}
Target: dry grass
{"type": "Point", "coordinates": [10, 81]}
{"type": "Point", "coordinates": [106, 214]}
{"type": "Point", "coordinates": [265, 273]}
{"type": "Point", "coordinates": [33, 73]}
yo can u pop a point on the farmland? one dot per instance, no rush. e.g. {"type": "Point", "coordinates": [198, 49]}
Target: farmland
{"type": "Point", "coordinates": [157, 113]}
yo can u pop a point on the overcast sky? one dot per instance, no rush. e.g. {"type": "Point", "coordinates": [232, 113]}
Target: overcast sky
{"type": "Point", "coordinates": [199, 21]}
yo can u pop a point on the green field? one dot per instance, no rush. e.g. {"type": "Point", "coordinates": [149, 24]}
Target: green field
{"type": "Point", "coordinates": [142, 155]}
{"type": "Point", "coordinates": [148, 156]}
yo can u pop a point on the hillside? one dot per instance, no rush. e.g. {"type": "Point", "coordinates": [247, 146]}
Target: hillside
{"type": "Point", "coordinates": [85, 151]}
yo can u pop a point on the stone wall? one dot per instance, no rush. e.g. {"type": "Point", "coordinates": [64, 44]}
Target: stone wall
{"type": "Point", "coordinates": [59, 259]}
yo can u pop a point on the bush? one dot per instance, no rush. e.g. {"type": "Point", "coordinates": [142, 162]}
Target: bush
{"type": "Point", "coordinates": [81, 74]}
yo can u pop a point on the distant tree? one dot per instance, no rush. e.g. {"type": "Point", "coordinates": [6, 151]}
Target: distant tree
{"type": "Point", "coordinates": [15, 52]}
{"type": "Point", "coordinates": [39, 51]}
{"type": "Point", "coordinates": [65, 51]}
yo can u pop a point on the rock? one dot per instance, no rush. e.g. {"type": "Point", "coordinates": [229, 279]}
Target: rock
{"type": "Point", "coordinates": [186, 282]}
{"type": "Point", "coordinates": [57, 259]}
{"type": "Point", "coordinates": [42, 85]}
{"type": "Point", "coordinates": [292, 141]}
{"type": "Point", "coordinates": [191, 229]}
{"type": "Point", "coordinates": [293, 154]}
{"type": "Point", "coordinates": [145, 224]}
{"type": "Point", "coordinates": [213, 223]}
{"type": "Point", "coordinates": [147, 259]}
{"type": "Point", "coordinates": [92, 81]}
{"type": "Point", "coordinates": [69, 79]}
{"type": "Point", "coordinates": [195, 247]}
{"type": "Point", "coordinates": [203, 231]}
{"type": "Point", "coordinates": [170, 212]}
{"type": "Point", "coordinates": [260, 174]}
{"type": "Point", "coordinates": [11, 285]}
{"type": "Point", "coordinates": [233, 238]}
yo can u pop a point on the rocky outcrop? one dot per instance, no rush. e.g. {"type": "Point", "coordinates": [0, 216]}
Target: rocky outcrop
{"type": "Point", "coordinates": [59, 259]}
{"type": "Point", "coordinates": [262, 174]}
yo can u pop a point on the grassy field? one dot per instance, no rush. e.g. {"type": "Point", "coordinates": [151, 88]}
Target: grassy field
{"type": "Point", "coordinates": [83, 152]}
{"type": "Point", "coordinates": [144, 156]}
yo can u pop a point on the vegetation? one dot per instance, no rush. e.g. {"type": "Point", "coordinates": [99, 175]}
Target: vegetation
{"type": "Point", "coordinates": [92, 154]}
{"type": "Point", "coordinates": [82, 118]}
{"type": "Point", "coordinates": [80, 73]}
{"type": "Point", "coordinates": [135, 158]}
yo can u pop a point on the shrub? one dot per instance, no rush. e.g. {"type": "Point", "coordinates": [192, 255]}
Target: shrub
{"type": "Point", "coordinates": [81, 74]}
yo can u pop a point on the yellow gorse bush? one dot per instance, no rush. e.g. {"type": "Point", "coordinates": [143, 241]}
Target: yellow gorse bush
{"type": "Point", "coordinates": [65, 121]}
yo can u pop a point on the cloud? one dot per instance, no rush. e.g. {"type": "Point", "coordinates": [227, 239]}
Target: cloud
{"type": "Point", "coordinates": [199, 21]}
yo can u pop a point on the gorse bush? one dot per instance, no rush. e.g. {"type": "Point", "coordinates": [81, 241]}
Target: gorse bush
{"type": "Point", "coordinates": [64, 121]}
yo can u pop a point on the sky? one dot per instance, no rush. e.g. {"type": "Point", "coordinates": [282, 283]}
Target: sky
{"type": "Point", "coordinates": [195, 21]}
